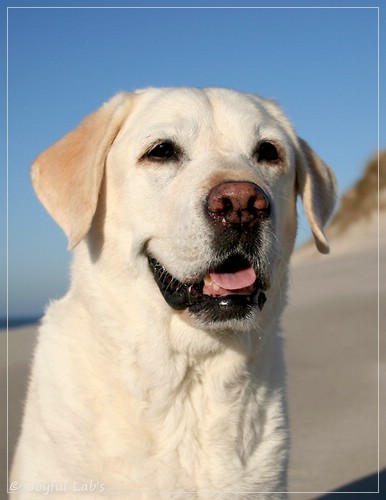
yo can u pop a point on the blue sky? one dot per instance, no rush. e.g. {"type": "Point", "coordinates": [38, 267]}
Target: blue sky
{"type": "Point", "coordinates": [321, 64]}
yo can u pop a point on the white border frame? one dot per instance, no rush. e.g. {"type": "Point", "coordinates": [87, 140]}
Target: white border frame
{"type": "Point", "coordinates": [377, 8]}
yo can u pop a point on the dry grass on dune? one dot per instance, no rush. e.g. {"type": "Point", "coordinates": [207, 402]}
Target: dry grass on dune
{"type": "Point", "coordinates": [360, 201]}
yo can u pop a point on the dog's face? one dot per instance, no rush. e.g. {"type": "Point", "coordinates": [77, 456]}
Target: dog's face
{"type": "Point", "coordinates": [211, 176]}
{"type": "Point", "coordinates": [200, 185]}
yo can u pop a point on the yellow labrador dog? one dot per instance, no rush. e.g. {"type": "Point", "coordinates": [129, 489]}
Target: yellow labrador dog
{"type": "Point", "coordinates": [160, 374]}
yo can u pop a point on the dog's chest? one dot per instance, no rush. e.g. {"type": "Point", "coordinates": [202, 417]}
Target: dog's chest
{"type": "Point", "coordinates": [200, 435]}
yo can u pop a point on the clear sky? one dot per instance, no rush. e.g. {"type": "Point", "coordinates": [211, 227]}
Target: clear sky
{"type": "Point", "coordinates": [321, 64]}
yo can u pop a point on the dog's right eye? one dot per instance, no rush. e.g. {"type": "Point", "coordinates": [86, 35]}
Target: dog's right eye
{"type": "Point", "coordinates": [162, 152]}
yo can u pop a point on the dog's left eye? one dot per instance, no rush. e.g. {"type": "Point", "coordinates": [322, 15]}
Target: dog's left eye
{"type": "Point", "coordinates": [163, 151]}
{"type": "Point", "coordinates": [267, 152]}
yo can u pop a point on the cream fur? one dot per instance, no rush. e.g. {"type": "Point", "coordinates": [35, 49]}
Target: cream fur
{"type": "Point", "coordinates": [128, 398]}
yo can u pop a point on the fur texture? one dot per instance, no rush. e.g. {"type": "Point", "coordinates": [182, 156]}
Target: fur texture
{"type": "Point", "coordinates": [128, 397]}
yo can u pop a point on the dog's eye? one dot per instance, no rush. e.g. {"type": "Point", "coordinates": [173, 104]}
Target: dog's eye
{"type": "Point", "coordinates": [267, 152]}
{"type": "Point", "coordinates": [163, 151]}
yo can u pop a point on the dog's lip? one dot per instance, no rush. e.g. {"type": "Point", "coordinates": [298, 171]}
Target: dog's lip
{"type": "Point", "coordinates": [182, 295]}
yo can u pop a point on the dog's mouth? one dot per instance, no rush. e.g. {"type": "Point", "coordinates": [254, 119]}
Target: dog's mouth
{"type": "Point", "coordinates": [228, 291]}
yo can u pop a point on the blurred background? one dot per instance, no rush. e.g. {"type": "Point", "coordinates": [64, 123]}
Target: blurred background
{"type": "Point", "coordinates": [321, 64]}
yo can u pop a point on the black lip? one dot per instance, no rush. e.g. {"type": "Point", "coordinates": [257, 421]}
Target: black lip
{"type": "Point", "coordinates": [189, 296]}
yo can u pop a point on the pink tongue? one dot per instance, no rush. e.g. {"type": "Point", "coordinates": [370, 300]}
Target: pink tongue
{"type": "Point", "coordinates": [235, 281]}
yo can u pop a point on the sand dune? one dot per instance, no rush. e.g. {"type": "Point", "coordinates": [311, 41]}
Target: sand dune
{"type": "Point", "coordinates": [331, 331]}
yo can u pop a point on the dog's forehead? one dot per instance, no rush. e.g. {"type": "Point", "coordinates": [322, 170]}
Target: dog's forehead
{"type": "Point", "coordinates": [189, 111]}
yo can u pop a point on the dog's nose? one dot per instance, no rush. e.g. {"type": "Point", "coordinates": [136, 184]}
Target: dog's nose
{"type": "Point", "coordinates": [237, 203]}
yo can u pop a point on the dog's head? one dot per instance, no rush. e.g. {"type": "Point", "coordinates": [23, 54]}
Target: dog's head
{"type": "Point", "coordinates": [199, 185]}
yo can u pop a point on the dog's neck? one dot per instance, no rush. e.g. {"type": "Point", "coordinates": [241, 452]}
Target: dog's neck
{"type": "Point", "coordinates": [174, 386]}
{"type": "Point", "coordinates": [175, 358]}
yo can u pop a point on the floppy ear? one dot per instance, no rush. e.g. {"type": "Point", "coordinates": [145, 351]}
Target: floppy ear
{"type": "Point", "coordinates": [317, 187]}
{"type": "Point", "coordinates": [67, 176]}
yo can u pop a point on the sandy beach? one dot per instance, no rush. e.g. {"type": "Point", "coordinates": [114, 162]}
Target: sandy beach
{"type": "Point", "coordinates": [20, 349]}
{"type": "Point", "coordinates": [331, 332]}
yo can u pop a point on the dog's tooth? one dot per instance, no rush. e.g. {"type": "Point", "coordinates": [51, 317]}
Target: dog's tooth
{"type": "Point", "coordinates": [207, 280]}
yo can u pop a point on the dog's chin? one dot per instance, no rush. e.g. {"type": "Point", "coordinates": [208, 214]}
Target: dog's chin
{"type": "Point", "coordinates": [209, 304]}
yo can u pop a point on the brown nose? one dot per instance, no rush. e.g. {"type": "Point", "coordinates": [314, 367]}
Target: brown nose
{"type": "Point", "coordinates": [237, 203]}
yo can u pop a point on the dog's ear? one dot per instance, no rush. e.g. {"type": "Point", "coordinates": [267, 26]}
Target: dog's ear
{"type": "Point", "coordinates": [67, 176]}
{"type": "Point", "coordinates": [316, 185]}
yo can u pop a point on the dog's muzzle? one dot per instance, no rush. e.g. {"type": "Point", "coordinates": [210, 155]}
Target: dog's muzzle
{"type": "Point", "coordinates": [235, 284]}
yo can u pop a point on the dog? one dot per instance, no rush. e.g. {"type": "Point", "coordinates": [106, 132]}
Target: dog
{"type": "Point", "coordinates": [160, 374]}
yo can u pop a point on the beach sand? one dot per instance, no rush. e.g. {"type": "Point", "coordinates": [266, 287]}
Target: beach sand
{"type": "Point", "coordinates": [20, 349]}
{"type": "Point", "coordinates": [331, 332]}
